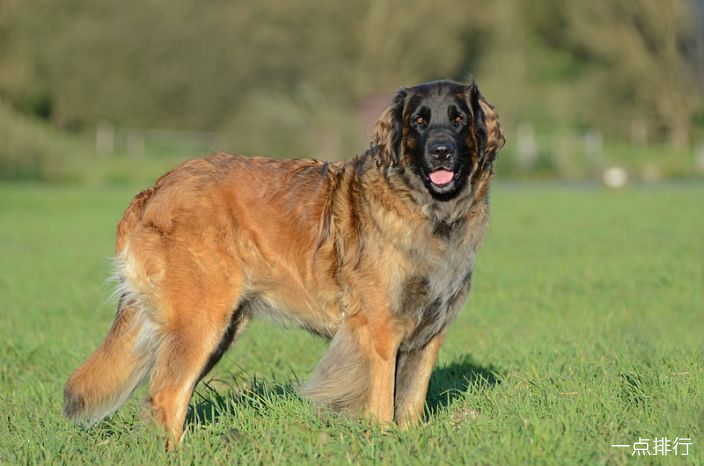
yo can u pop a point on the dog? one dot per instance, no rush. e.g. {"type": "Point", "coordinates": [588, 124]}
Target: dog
{"type": "Point", "coordinates": [375, 253]}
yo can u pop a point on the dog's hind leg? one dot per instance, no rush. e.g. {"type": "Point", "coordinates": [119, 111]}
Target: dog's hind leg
{"type": "Point", "coordinates": [198, 331]}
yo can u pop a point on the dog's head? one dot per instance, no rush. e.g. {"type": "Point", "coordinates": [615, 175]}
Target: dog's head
{"type": "Point", "coordinates": [444, 131]}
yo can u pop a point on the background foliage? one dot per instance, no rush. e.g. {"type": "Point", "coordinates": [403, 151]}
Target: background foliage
{"type": "Point", "coordinates": [307, 78]}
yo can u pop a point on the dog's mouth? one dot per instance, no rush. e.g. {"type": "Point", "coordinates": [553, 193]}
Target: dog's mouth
{"type": "Point", "coordinates": [441, 177]}
{"type": "Point", "coordinates": [443, 182]}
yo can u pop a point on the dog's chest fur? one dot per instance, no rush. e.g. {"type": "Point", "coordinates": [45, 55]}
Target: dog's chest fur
{"type": "Point", "coordinates": [432, 296]}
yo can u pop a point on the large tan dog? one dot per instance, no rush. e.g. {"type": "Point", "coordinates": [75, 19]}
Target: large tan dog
{"type": "Point", "coordinates": [376, 253]}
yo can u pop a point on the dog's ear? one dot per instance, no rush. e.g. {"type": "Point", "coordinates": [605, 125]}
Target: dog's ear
{"type": "Point", "coordinates": [388, 130]}
{"type": "Point", "coordinates": [486, 126]}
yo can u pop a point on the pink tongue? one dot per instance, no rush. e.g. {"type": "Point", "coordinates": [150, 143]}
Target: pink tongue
{"type": "Point", "coordinates": [441, 176]}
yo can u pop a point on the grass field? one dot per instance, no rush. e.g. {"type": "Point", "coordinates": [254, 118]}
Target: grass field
{"type": "Point", "coordinates": [585, 328]}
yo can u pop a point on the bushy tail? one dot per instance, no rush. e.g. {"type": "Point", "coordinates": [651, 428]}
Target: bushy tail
{"type": "Point", "coordinates": [108, 377]}
{"type": "Point", "coordinates": [341, 379]}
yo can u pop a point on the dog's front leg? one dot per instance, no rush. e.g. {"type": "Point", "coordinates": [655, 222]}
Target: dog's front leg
{"type": "Point", "coordinates": [381, 388]}
{"type": "Point", "coordinates": [412, 379]}
{"type": "Point", "coordinates": [379, 340]}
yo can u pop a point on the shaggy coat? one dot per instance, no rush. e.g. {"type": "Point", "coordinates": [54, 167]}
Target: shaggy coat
{"type": "Point", "coordinates": [373, 253]}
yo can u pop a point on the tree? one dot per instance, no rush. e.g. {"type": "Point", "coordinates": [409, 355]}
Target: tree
{"type": "Point", "coordinates": [643, 63]}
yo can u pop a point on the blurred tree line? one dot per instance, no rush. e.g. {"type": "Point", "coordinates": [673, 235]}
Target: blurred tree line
{"type": "Point", "coordinates": [295, 78]}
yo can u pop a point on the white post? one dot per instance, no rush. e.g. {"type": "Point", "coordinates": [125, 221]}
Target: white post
{"type": "Point", "coordinates": [593, 145]}
{"type": "Point", "coordinates": [639, 133]}
{"type": "Point", "coordinates": [700, 156]}
{"type": "Point", "coordinates": [527, 149]}
{"type": "Point", "coordinates": [104, 138]}
{"type": "Point", "coordinates": [135, 144]}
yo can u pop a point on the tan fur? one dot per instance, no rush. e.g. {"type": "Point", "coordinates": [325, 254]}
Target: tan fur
{"type": "Point", "coordinates": [497, 139]}
{"type": "Point", "coordinates": [342, 249]}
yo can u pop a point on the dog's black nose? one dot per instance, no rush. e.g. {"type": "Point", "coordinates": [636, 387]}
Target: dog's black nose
{"type": "Point", "coordinates": [441, 150]}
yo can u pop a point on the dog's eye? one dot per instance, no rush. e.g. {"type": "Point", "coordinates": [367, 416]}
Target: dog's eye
{"type": "Point", "coordinates": [458, 121]}
{"type": "Point", "coordinates": [419, 121]}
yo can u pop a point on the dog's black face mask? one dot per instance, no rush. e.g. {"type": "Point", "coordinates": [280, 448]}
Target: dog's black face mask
{"type": "Point", "coordinates": [440, 131]}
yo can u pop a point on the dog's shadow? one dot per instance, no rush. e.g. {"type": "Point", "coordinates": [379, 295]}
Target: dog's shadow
{"type": "Point", "coordinates": [211, 402]}
{"type": "Point", "coordinates": [454, 380]}
{"type": "Point", "coordinates": [447, 383]}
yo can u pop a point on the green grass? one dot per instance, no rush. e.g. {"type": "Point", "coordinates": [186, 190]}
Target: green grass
{"type": "Point", "coordinates": [585, 328]}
